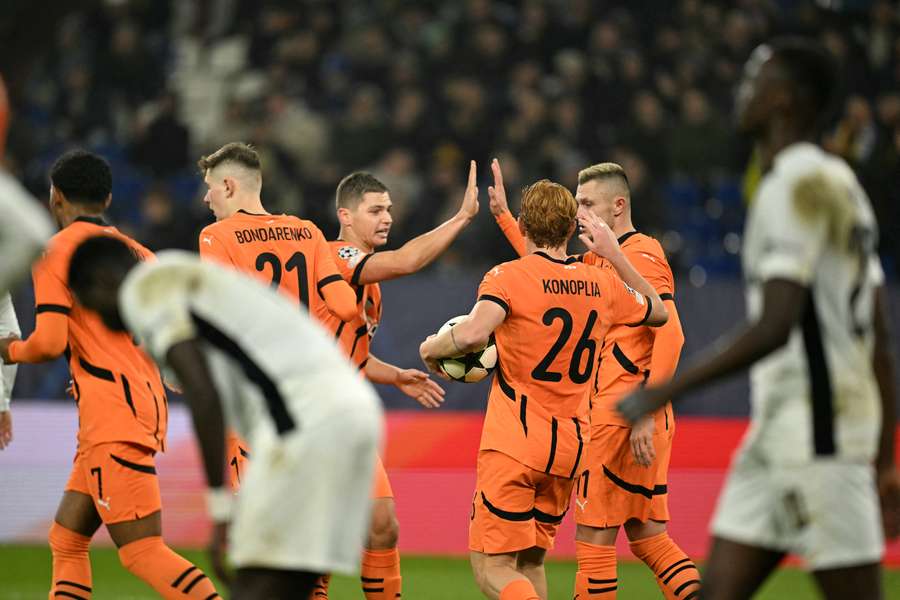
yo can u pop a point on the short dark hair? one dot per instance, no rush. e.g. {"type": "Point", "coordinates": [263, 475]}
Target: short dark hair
{"type": "Point", "coordinates": [95, 255]}
{"type": "Point", "coordinates": [82, 177]}
{"type": "Point", "coordinates": [603, 171]}
{"type": "Point", "coordinates": [352, 187]}
{"type": "Point", "coordinates": [235, 152]}
{"type": "Point", "coordinates": [812, 71]}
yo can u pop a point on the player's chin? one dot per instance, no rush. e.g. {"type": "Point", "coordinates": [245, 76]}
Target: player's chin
{"type": "Point", "coordinates": [380, 239]}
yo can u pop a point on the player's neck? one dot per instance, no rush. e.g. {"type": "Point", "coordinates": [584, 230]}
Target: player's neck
{"type": "Point", "coordinates": [349, 236]}
{"type": "Point", "coordinates": [778, 136]}
{"type": "Point", "coordinates": [70, 216]}
{"type": "Point", "coordinates": [252, 205]}
{"type": "Point", "coordinates": [557, 252]}
{"type": "Point", "coordinates": [623, 225]}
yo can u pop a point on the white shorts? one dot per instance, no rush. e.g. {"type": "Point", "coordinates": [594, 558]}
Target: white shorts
{"type": "Point", "coordinates": [826, 512]}
{"type": "Point", "coordinates": [305, 501]}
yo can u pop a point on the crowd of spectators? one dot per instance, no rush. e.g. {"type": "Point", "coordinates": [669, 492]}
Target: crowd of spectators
{"type": "Point", "coordinates": [411, 90]}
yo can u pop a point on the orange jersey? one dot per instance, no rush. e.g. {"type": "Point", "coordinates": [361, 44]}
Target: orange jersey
{"type": "Point", "coordinates": [627, 351]}
{"type": "Point", "coordinates": [117, 386]}
{"type": "Point", "coordinates": [558, 313]}
{"type": "Point", "coordinates": [287, 252]}
{"type": "Point", "coordinates": [354, 337]}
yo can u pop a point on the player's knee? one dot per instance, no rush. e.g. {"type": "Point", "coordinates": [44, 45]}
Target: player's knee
{"type": "Point", "coordinates": [384, 531]}
{"type": "Point", "coordinates": [65, 542]}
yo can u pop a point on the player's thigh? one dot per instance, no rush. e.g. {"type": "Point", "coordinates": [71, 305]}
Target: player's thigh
{"type": "Point", "coordinates": [502, 519]}
{"type": "Point", "coordinates": [256, 583]}
{"type": "Point", "coordinates": [76, 513]}
{"type": "Point", "coordinates": [862, 582]}
{"type": "Point", "coordinates": [735, 571]}
{"type": "Point", "coordinates": [613, 488]}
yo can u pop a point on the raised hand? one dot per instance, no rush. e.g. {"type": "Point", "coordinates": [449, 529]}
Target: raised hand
{"type": "Point", "coordinates": [469, 207]}
{"type": "Point", "coordinates": [597, 235]}
{"type": "Point", "coordinates": [419, 387]}
{"type": "Point", "coordinates": [497, 193]}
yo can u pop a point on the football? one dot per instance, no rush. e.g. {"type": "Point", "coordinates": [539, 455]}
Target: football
{"type": "Point", "coordinates": [471, 367]}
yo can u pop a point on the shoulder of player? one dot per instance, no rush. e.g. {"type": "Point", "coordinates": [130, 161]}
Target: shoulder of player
{"type": "Point", "coordinates": [643, 244]}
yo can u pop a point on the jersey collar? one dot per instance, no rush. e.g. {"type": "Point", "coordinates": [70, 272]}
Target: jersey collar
{"type": "Point", "coordinates": [569, 260]}
{"type": "Point", "coordinates": [242, 211]}
{"type": "Point", "coordinates": [624, 237]}
{"type": "Point", "coordinates": [93, 220]}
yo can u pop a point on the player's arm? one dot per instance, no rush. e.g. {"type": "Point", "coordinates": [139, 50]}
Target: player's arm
{"type": "Point", "coordinates": [9, 325]}
{"type": "Point", "coordinates": [500, 209]}
{"type": "Point", "coordinates": [51, 331]}
{"type": "Point", "coordinates": [600, 239]}
{"type": "Point", "coordinates": [883, 363]}
{"type": "Point", "coordinates": [466, 336]}
{"type": "Point", "coordinates": [412, 382]}
{"type": "Point", "coordinates": [419, 252]}
{"type": "Point", "coordinates": [339, 297]}
{"type": "Point", "coordinates": [783, 305]}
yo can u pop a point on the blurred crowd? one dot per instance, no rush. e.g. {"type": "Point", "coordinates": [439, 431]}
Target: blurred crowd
{"type": "Point", "coordinates": [412, 89]}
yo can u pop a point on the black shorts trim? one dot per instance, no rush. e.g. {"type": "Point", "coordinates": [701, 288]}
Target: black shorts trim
{"type": "Point", "coordinates": [148, 469]}
{"type": "Point", "coordinates": [506, 515]}
{"type": "Point", "coordinates": [98, 372]}
{"type": "Point", "coordinates": [634, 488]}
{"type": "Point", "coordinates": [580, 447]}
{"type": "Point", "coordinates": [52, 308]}
{"type": "Point", "coordinates": [499, 301]}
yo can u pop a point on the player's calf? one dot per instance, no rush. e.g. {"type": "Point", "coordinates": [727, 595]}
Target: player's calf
{"type": "Point", "coordinates": [172, 576]}
{"type": "Point", "coordinates": [676, 574]}
{"type": "Point", "coordinates": [71, 563]}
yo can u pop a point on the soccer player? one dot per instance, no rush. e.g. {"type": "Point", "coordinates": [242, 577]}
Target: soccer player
{"type": "Point", "coordinates": [624, 478]}
{"type": "Point", "coordinates": [241, 351]}
{"type": "Point", "coordinates": [288, 253]}
{"type": "Point", "coordinates": [122, 407]}
{"type": "Point", "coordinates": [364, 211]}
{"type": "Point", "coordinates": [822, 391]}
{"type": "Point", "coordinates": [549, 313]}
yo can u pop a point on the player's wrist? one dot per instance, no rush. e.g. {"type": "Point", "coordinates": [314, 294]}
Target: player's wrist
{"type": "Point", "coordinates": [219, 504]}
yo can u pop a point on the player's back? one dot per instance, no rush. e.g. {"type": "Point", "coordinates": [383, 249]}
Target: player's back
{"type": "Point", "coordinates": [811, 223]}
{"type": "Point", "coordinates": [558, 313]}
{"type": "Point", "coordinates": [354, 337]}
{"type": "Point", "coordinates": [627, 351]}
{"type": "Point", "coordinates": [283, 251]}
{"type": "Point", "coordinates": [273, 365]}
{"type": "Point", "coordinates": [117, 387]}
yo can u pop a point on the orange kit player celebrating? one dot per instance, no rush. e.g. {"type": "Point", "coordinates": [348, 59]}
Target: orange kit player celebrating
{"type": "Point", "coordinates": [549, 313]}
{"type": "Point", "coordinates": [288, 252]}
{"type": "Point", "coordinates": [624, 478]}
{"type": "Point", "coordinates": [364, 211]}
{"type": "Point", "coordinates": [122, 408]}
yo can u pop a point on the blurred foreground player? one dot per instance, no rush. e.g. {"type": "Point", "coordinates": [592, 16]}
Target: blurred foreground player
{"type": "Point", "coordinates": [122, 409]}
{"type": "Point", "coordinates": [549, 313]}
{"type": "Point", "coordinates": [239, 349]}
{"type": "Point", "coordinates": [822, 395]}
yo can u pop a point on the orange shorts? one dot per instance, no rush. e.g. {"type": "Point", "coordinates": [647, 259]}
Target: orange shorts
{"type": "Point", "coordinates": [515, 507]}
{"type": "Point", "coordinates": [236, 454]}
{"type": "Point", "coordinates": [381, 487]}
{"type": "Point", "coordinates": [613, 488]}
{"type": "Point", "coordinates": [121, 479]}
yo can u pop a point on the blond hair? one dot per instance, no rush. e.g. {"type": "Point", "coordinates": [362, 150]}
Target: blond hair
{"type": "Point", "coordinates": [548, 213]}
{"type": "Point", "coordinates": [604, 172]}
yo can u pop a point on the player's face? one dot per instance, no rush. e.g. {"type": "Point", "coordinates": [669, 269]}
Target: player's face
{"type": "Point", "coordinates": [599, 198]}
{"type": "Point", "coordinates": [218, 196]}
{"type": "Point", "coordinates": [372, 218]}
{"type": "Point", "coordinates": [751, 102]}
{"type": "Point", "coordinates": [57, 207]}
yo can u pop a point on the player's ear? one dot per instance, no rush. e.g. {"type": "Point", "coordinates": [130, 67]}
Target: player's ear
{"type": "Point", "coordinates": [344, 216]}
{"type": "Point", "coordinates": [107, 202]}
{"type": "Point", "coordinates": [521, 224]}
{"type": "Point", "coordinates": [230, 186]}
{"type": "Point", "coordinates": [619, 205]}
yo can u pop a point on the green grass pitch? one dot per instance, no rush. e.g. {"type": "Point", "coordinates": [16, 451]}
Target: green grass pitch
{"type": "Point", "coordinates": [25, 575]}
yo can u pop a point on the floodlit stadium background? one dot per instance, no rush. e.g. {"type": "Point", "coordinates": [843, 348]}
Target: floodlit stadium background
{"type": "Point", "coordinates": [411, 91]}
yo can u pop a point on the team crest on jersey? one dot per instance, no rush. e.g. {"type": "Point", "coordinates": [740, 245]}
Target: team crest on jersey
{"type": "Point", "coordinates": [349, 253]}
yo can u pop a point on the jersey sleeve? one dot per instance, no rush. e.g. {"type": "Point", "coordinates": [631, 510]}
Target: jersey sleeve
{"type": "Point", "coordinates": [155, 304]}
{"type": "Point", "coordinates": [510, 228]}
{"type": "Point", "coordinates": [495, 287]}
{"type": "Point", "coordinates": [212, 248]}
{"type": "Point", "coordinates": [623, 305]}
{"type": "Point", "coordinates": [791, 243]}
{"type": "Point", "coordinates": [51, 293]}
{"type": "Point", "coordinates": [652, 265]}
{"type": "Point", "coordinates": [349, 261]}
{"type": "Point", "coordinates": [326, 271]}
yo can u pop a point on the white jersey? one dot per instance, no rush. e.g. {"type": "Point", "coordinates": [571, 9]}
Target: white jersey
{"type": "Point", "coordinates": [811, 223]}
{"type": "Point", "coordinates": [9, 325]}
{"type": "Point", "coordinates": [24, 229]}
{"type": "Point", "coordinates": [274, 368]}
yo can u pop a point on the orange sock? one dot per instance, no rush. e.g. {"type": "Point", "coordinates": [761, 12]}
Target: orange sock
{"type": "Point", "coordinates": [71, 564]}
{"type": "Point", "coordinates": [381, 574]}
{"type": "Point", "coordinates": [676, 574]}
{"type": "Point", "coordinates": [172, 576]}
{"type": "Point", "coordinates": [520, 589]}
{"type": "Point", "coordinates": [320, 591]}
{"type": "Point", "coordinates": [596, 577]}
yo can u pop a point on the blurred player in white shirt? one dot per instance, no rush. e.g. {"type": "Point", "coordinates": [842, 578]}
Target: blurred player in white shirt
{"type": "Point", "coordinates": [820, 449]}
{"type": "Point", "coordinates": [239, 349]}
